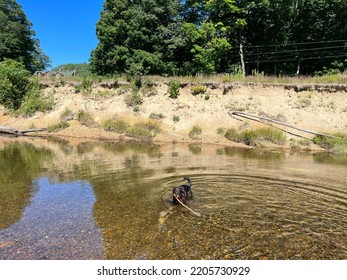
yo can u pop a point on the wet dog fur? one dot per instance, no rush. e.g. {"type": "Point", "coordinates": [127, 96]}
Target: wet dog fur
{"type": "Point", "coordinates": [182, 192]}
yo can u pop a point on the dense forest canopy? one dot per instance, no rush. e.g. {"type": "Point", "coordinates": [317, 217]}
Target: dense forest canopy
{"type": "Point", "coordinates": [17, 39]}
{"type": "Point", "coordinates": [221, 36]}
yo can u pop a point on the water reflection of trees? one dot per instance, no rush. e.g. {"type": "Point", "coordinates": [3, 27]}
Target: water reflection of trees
{"type": "Point", "coordinates": [20, 163]}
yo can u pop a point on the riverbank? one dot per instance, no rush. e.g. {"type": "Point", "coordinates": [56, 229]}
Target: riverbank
{"type": "Point", "coordinates": [197, 114]}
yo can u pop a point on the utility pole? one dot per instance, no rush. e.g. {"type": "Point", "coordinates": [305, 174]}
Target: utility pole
{"type": "Point", "coordinates": [243, 67]}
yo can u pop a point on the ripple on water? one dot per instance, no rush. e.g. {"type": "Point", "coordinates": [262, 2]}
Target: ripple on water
{"type": "Point", "coordinates": [250, 217]}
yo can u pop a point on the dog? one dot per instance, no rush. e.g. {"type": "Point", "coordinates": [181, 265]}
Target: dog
{"type": "Point", "coordinates": [182, 192]}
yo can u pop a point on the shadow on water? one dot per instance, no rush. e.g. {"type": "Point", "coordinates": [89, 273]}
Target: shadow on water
{"type": "Point", "coordinates": [113, 200]}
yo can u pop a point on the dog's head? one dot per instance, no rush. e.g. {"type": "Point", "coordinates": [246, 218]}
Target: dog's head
{"type": "Point", "coordinates": [179, 194]}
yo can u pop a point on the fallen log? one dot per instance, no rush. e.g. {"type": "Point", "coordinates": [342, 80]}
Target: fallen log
{"type": "Point", "coordinates": [250, 116]}
{"type": "Point", "coordinates": [18, 132]}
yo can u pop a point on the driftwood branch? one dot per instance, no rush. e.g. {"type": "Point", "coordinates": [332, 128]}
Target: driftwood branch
{"type": "Point", "coordinates": [250, 116]}
{"type": "Point", "coordinates": [18, 132]}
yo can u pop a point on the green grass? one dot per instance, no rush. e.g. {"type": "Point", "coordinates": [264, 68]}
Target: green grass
{"type": "Point", "coordinates": [116, 125]}
{"type": "Point", "coordinates": [334, 145]}
{"type": "Point", "coordinates": [254, 137]}
{"type": "Point", "coordinates": [144, 131]}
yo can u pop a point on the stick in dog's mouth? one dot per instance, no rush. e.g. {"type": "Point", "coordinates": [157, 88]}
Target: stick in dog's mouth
{"type": "Point", "coordinates": [196, 213]}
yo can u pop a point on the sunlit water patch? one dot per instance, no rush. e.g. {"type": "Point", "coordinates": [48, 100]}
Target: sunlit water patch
{"type": "Point", "coordinates": [58, 224]}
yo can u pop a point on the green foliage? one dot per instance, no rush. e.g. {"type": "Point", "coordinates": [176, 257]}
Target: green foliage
{"type": "Point", "coordinates": [17, 39]}
{"type": "Point", "coordinates": [131, 36]}
{"type": "Point", "coordinates": [176, 118]}
{"type": "Point", "coordinates": [14, 84]}
{"type": "Point", "coordinates": [204, 36]}
{"type": "Point", "coordinates": [34, 101]}
{"type": "Point", "coordinates": [133, 99]}
{"type": "Point", "coordinates": [82, 69]}
{"type": "Point", "coordinates": [195, 132]}
{"type": "Point", "coordinates": [86, 85]}
{"type": "Point", "coordinates": [336, 145]}
{"type": "Point", "coordinates": [174, 89]}
{"type": "Point", "coordinates": [254, 137]}
{"type": "Point", "coordinates": [116, 125]}
{"type": "Point", "coordinates": [144, 131]}
{"type": "Point", "coordinates": [199, 89]}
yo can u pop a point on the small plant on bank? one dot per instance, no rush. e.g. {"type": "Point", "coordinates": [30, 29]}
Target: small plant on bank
{"type": "Point", "coordinates": [199, 89]}
{"type": "Point", "coordinates": [138, 82]}
{"type": "Point", "coordinates": [57, 127]}
{"type": "Point", "coordinates": [116, 125]}
{"type": "Point", "coordinates": [134, 99]}
{"type": "Point", "coordinates": [174, 89]}
{"type": "Point", "coordinates": [85, 118]}
{"type": "Point", "coordinates": [144, 131]}
{"type": "Point", "coordinates": [195, 132]}
{"type": "Point", "coordinates": [176, 118]}
{"type": "Point", "coordinates": [86, 85]}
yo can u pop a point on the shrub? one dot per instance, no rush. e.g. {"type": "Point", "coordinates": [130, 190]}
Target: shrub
{"type": "Point", "coordinates": [144, 131]}
{"type": "Point", "coordinates": [336, 145]}
{"type": "Point", "coordinates": [34, 101]}
{"type": "Point", "coordinates": [14, 83]}
{"type": "Point", "coordinates": [57, 127]}
{"type": "Point", "coordinates": [134, 99]}
{"type": "Point", "coordinates": [199, 89]}
{"type": "Point", "coordinates": [85, 118]}
{"type": "Point", "coordinates": [195, 132]}
{"type": "Point", "coordinates": [116, 125]}
{"type": "Point", "coordinates": [86, 85]}
{"type": "Point", "coordinates": [176, 118]}
{"type": "Point", "coordinates": [252, 137]}
{"type": "Point", "coordinates": [174, 89]}
{"type": "Point", "coordinates": [138, 82]}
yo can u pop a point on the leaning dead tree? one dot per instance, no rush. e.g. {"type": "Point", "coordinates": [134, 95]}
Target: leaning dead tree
{"type": "Point", "coordinates": [18, 132]}
{"type": "Point", "coordinates": [257, 118]}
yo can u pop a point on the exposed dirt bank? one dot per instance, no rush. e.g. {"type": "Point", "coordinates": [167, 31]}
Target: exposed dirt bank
{"type": "Point", "coordinates": [321, 108]}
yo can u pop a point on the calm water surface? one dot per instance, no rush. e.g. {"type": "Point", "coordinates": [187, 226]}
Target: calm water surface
{"type": "Point", "coordinates": [113, 201]}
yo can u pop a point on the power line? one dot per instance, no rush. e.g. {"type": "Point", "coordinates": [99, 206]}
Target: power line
{"type": "Point", "coordinates": [296, 51]}
{"type": "Point", "coordinates": [295, 44]}
{"type": "Point", "coordinates": [296, 59]}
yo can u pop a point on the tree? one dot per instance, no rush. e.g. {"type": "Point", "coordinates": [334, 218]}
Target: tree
{"type": "Point", "coordinates": [17, 39]}
{"type": "Point", "coordinates": [82, 69]}
{"type": "Point", "coordinates": [296, 36]}
{"type": "Point", "coordinates": [131, 36]}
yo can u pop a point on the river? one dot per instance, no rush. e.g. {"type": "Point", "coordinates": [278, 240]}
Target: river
{"type": "Point", "coordinates": [107, 200]}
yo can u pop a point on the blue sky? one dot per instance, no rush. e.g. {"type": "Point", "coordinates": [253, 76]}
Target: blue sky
{"type": "Point", "coordinates": [65, 28]}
